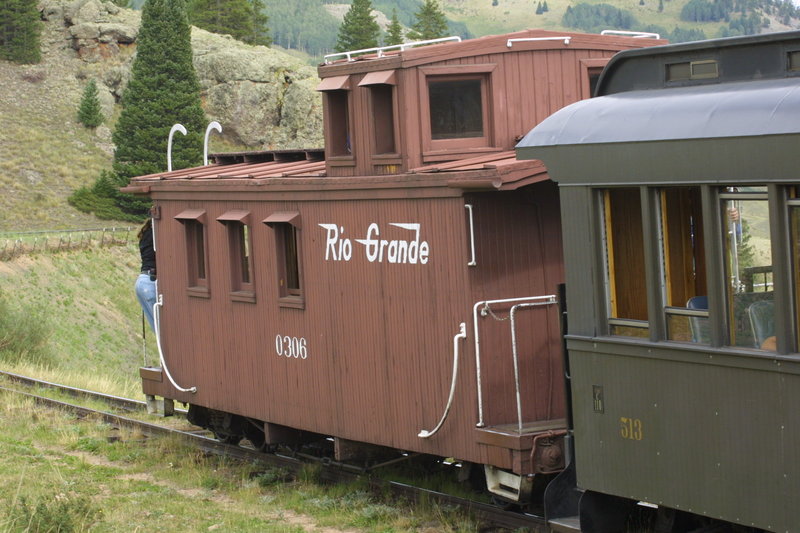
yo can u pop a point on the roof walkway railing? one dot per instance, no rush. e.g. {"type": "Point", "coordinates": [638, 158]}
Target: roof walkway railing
{"type": "Point", "coordinates": [381, 49]}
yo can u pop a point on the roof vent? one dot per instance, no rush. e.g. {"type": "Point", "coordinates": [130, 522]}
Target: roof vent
{"type": "Point", "coordinates": [692, 70]}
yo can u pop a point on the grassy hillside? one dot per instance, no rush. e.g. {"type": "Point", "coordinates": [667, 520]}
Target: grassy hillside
{"type": "Point", "coordinates": [85, 302]}
{"type": "Point", "coordinates": [44, 152]}
{"type": "Point", "coordinates": [482, 17]}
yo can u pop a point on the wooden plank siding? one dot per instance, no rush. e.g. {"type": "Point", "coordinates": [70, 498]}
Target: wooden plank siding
{"type": "Point", "coordinates": [380, 335]}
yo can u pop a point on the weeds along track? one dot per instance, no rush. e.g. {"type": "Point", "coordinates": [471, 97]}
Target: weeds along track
{"type": "Point", "coordinates": [493, 517]}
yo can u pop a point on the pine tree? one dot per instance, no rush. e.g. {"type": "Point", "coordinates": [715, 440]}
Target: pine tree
{"type": "Point", "coordinates": [545, 9]}
{"type": "Point", "coordinates": [660, 6]}
{"type": "Point", "coordinates": [394, 33]}
{"type": "Point", "coordinates": [89, 113]}
{"type": "Point", "coordinates": [258, 27]}
{"type": "Point", "coordinates": [358, 30]}
{"type": "Point", "coordinates": [163, 90]}
{"type": "Point", "coordinates": [244, 20]}
{"type": "Point", "coordinates": [431, 22]}
{"type": "Point", "coordinates": [539, 8]}
{"type": "Point", "coordinates": [20, 30]}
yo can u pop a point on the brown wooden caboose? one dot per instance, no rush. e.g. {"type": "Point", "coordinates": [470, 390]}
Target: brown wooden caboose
{"type": "Point", "coordinates": [397, 290]}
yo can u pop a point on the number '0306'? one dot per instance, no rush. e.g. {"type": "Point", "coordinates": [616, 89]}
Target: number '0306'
{"type": "Point", "coordinates": [291, 347]}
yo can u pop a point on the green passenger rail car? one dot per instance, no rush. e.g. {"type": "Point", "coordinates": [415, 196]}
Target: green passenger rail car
{"type": "Point", "coordinates": [680, 201]}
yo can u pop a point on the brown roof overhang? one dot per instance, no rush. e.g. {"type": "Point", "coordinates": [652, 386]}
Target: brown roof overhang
{"type": "Point", "coordinates": [381, 77]}
{"type": "Point", "coordinates": [335, 83]}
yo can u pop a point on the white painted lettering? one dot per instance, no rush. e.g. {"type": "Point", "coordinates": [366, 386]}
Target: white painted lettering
{"type": "Point", "coordinates": [396, 251]}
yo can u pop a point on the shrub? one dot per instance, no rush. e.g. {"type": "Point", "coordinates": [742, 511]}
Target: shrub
{"type": "Point", "coordinates": [24, 333]}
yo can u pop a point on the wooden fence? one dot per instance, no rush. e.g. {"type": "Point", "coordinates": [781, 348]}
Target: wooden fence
{"type": "Point", "coordinates": [15, 244]}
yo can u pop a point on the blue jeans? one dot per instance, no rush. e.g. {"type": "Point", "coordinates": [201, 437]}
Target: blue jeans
{"type": "Point", "coordinates": [146, 293]}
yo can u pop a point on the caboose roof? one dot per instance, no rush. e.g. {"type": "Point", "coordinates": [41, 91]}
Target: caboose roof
{"type": "Point", "coordinates": [530, 39]}
{"type": "Point", "coordinates": [305, 170]}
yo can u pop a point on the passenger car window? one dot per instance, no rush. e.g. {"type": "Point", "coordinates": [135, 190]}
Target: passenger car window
{"type": "Point", "coordinates": [625, 266]}
{"type": "Point", "coordinates": [748, 267]}
{"type": "Point", "coordinates": [684, 265]}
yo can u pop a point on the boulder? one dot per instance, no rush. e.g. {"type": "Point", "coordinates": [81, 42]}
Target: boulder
{"type": "Point", "coordinates": [263, 98]}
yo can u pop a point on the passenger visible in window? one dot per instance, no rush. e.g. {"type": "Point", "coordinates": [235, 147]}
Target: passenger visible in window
{"type": "Point", "coordinates": [146, 282]}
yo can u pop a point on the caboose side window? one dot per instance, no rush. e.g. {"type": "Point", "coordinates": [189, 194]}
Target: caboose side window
{"type": "Point", "coordinates": [338, 136]}
{"type": "Point", "coordinates": [239, 258]}
{"type": "Point", "coordinates": [456, 108]}
{"type": "Point", "coordinates": [286, 226]}
{"type": "Point", "coordinates": [193, 221]}
{"type": "Point", "coordinates": [381, 86]}
{"type": "Point", "coordinates": [625, 264]}
{"type": "Point", "coordinates": [383, 118]}
{"type": "Point", "coordinates": [750, 291]}
{"type": "Point", "coordinates": [456, 105]}
{"type": "Point", "coordinates": [339, 123]}
{"type": "Point", "coordinates": [684, 265]}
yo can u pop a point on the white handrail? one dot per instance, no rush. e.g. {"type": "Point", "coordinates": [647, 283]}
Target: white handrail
{"type": "Point", "coordinates": [472, 262]}
{"type": "Point", "coordinates": [381, 49]}
{"type": "Point", "coordinates": [213, 125]}
{"type": "Point", "coordinates": [462, 334]}
{"type": "Point", "coordinates": [634, 34]}
{"type": "Point", "coordinates": [175, 127]}
{"type": "Point", "coordinates": [538, 300]}
{"type": "Point", "coordinates": [157, 316]}
{"type": "Point", "coordinates": [565, 39]}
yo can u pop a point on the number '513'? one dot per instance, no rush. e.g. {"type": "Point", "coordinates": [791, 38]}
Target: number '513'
{"type": "Point", "coordinates": [630, 428]}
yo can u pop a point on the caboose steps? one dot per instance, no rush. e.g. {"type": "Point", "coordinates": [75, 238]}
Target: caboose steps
{"type": "Point", "coordinates": [537, 449]}
{"type": "Point", "coordinates": [509, 436]}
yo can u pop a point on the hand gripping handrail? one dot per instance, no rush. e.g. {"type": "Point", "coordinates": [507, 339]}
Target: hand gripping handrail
{"type": "Point", "coordinates": [157, 316]}
{"type": "Point", "coordinates": [462, 334]}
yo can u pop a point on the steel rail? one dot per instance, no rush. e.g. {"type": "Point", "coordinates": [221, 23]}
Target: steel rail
{"type": "Point", "coordinates": [117, 401]}
{"type": "Point", "coordinates": [490, 514]}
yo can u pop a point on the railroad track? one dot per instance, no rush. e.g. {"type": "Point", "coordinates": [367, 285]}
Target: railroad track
{"type": "Point", "coordinates": [492, 516]}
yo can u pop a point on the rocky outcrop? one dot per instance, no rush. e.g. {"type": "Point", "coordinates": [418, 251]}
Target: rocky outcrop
{"type": "Point", "coordinates": [263, 98]}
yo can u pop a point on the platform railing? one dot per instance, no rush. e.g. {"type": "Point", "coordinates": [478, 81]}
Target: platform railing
{"type": "Point", "coordinates": [482, 309]}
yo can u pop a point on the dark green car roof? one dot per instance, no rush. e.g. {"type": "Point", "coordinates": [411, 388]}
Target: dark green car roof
{"type": "Point", "coordinates": [661, 130]}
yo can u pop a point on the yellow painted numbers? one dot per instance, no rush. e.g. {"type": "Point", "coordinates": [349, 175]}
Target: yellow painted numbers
{"type": "Point", "coordinates": [630, 428]}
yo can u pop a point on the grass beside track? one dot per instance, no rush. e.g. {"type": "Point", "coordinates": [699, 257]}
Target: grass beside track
{"type": "Point", "coordinates": [79, 323]}
{"type": "Point", "coordinates": [56, 472]}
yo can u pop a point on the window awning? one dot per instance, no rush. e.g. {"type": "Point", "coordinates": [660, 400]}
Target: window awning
{"type": "Point", "coordinates": [284, 217]}
{"type": "Point", "coordinates": [381, 77]}
{"type": "Point", "coordinates": [335, 83]}
{"type": "Point", "coordinates": [725, 130]}
{"type": "Point", "coordinates": [235, 216]}
{"type": "Point", "coordinates": [192, 214]}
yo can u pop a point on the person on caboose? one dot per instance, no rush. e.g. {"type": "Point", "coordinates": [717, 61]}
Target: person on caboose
{"type": "Point", "coordinates": [146, 282]}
